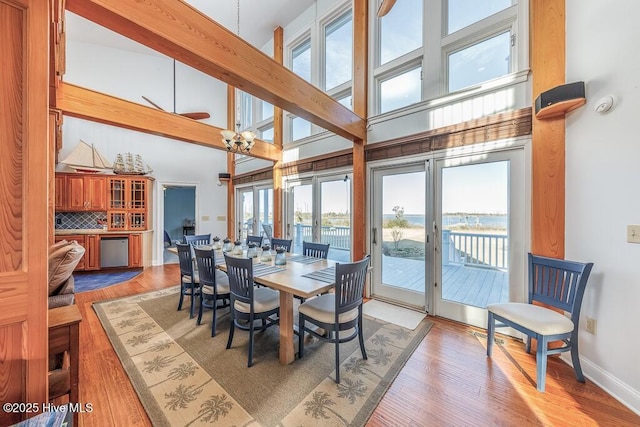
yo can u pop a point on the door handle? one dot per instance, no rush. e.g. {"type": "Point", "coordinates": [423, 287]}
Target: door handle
{"type": "Point", "coordinates": [374, 231]}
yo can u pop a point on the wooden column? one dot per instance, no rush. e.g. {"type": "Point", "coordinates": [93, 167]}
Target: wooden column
{"type": "Point", "coordinates": [360, 71]}
{"type": "Point", "coordinates": [231, 166]}
{"type": "Point", "coordinates": [548, 135]}
{"type": "Point", "coordinates": [24, 180]}
{"type": "Point", "coordinates": [278, 56]}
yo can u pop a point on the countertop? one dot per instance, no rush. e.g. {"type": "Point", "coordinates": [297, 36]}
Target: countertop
{"type": "Point", "coordinates": [68, 232]}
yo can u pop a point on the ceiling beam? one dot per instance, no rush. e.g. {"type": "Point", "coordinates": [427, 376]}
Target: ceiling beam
{"type": "Point", "coordinates": [76, 101]}
{"type": "Point", "coordinates": [179, 31]}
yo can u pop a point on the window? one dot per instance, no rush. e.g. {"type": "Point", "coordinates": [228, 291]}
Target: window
{"type": "Point", "coordinates": [401, 90]}
{"type": "Point", "coordinates": [266, 134]}
{"type": "Point", "coordinates": [266, 110]}
{"type": "Point", "coordinates": [426, 49]}
{"type": "Point", "coordinates": [246, 110]}
{"type": "Point", "coordinates": [462, 13]}
{"type": "Point", "coordinates": [301, 60]}
{"type": "Point", "coordinates": [300, 128]}
{"type": "Point", "coordinates": [400, 30]}
{"type": "Point", "coordinates": [479, 62]}
{"type": "Point", "coordinates": [338, 51]}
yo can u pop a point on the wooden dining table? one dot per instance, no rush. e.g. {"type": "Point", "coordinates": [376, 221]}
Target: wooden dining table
{"type": "Point", "coordinates": [289, 282]}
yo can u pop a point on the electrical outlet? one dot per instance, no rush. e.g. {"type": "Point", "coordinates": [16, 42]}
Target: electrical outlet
{"type": "Point", "coordinates": [591, 325]}
{"type": "Point", "coordinates": [205, 217]}
{"type": "Point", "coordinates": [221, 218]}
{"type": "Point", "coordinates": [633, 233]}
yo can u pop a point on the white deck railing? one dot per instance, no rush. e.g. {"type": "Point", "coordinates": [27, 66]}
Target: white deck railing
{"type": "Point", "coordinates": [482, 250]}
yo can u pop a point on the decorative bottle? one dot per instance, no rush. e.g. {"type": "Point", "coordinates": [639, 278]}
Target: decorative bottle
{"type": "Point", "coordinates": [281, 257]}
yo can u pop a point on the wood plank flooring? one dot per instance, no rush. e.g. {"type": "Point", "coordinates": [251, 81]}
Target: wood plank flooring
{"type": "Point", "coordinates": [448, 381]}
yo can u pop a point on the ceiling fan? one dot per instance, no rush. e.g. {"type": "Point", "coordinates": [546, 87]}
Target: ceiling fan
{"type": "Point", "coordinates": [196, 115]}
{"type": "Point", "coordinates": [385, 7]}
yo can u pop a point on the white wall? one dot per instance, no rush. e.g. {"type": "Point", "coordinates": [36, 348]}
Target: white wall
{"type": "Point", "coordinates": [602, 169]}
{"type": "Point", "coordinates": [130, 75]}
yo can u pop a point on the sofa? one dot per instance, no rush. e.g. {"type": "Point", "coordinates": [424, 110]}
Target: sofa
{"type": "Point", "coordinates": [64, 256]}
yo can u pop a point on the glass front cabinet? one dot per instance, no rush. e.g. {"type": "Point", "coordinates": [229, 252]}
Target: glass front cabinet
{"type": "Point", "coordinates": [128, 203]}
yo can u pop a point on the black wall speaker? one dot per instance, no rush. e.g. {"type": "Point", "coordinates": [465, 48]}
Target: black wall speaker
{"type": "Point", "coordinates": [224, 176]}
{"type": "Point", "coordinates": [562, 93]}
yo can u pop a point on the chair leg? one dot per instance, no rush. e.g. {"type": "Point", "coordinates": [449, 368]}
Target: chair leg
{"type": "Point", "coordinates": [231, 330]}
{"type": "Point", "coordinates": [361, 336]}
{"type": "Point", "coordinates": [199, 321]}
{"type": "Point", "coordinates": [300, 336]}
{"type": "Point", "coordinates": [337, 339]}
{"type": "Point", "coordinates": [214, 320]}
{"type": "Point", "coordinates": [193, 292]}
{"type": "Point", "coordinates": [181, 297]}
{"type": "Point", "coordinates": [250, 362]}
{"type": "Point", "coordinates": [575, 357]}
{"type": "Point", "coordinates": [541, 363]}
{"type": "Point", "coordinates": [491, 328]}
{"type": "Point", "coordinates": [527, 344]}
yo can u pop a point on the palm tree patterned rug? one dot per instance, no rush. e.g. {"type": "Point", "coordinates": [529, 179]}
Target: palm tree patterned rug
{"type": "Point", "coordinates": [184, 376]}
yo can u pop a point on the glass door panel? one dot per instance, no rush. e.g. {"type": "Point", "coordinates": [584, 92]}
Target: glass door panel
{"type": "Point", "coordinates": [480, 213]}
{"type": "Point", "coordinates": [300, 223]}
{"type": "Point", "coordinates": [265, 210]}
{"type": "Point", "coordinates": [245, 216]}
{"type": "Point", "coordinates": [335, 217]}
{"type": "Point", "coordinates": [399, 237]}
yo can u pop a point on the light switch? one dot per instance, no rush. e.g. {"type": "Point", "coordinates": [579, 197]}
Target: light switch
{"type": "Point", "coordinates": [633, 233]}
{"type": "Point", "coordinates": [221, 218]}
{"type": "Point", "coordinates": [205, 217]}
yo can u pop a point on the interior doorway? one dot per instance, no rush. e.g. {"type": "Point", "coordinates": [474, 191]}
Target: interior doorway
{"type": "Point", "coordinates": [179, 216]}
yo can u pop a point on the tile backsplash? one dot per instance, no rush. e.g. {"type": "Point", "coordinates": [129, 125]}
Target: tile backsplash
{"type": "Point", "coordinates": [79, 220]}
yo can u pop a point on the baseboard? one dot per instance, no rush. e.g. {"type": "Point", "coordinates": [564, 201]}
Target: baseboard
{"type": "Point", "coordinates": [618, 389]}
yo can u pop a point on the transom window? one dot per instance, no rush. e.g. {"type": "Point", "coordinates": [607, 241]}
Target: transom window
{"type": "Point", "coordinates": [338, 52]}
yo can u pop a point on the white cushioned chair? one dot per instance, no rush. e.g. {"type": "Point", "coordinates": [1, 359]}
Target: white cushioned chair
{"type": "Point", "coordinates": [555, 283]}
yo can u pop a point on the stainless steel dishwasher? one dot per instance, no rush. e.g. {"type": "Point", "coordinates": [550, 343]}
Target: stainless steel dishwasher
{"type": "Point", "coordinates": [114, 251]}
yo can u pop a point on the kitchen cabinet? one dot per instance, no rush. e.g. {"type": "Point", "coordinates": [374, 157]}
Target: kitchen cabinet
{"type": "Point", "coordinates": [82, 192]}
{"type": "Point", "coordinates": [59, 182]}
{"type": "Point", "coordinates": [80, 239]}
{"type": "Point", "coordinates": [128, 203]}
{"type": "Point", "coordinates": [135, 250]}
{"type": "Point", "coordinates": [91, 244]}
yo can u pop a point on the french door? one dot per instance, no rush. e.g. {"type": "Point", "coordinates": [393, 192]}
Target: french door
{"type": "Point", "coordinates": [318, 209]}
{"type": "Point", "coordinates": [480, 219]}
{"type": "Point", "coordinates": [399, 236]}
{"type": "Point", "coordinates": [254, 208]}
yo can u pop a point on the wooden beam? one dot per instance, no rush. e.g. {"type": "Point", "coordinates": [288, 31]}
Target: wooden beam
{"type": "Point", "coordinates": [181, 32]}
{"type": "Point", "coordinates": [278, 140]}
{"type": "Point", "coordinates": [87, 104]}
{"type": "Point", "coordinates": [548, 136]}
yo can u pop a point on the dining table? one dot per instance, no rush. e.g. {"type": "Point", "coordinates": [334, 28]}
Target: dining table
{"type": "Point", "coordinates": [290, 280]}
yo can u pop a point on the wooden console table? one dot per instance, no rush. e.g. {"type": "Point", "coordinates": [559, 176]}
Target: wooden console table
{"type": "Point", "coordinates": [64, 336]}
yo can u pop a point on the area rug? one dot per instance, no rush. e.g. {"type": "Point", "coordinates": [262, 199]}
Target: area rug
{"type": "Point", "coordinates": [98, 280]}
{"type": "Point", "coordinates": [393, 314]}
{"type": "Point", "coordinates": [183, 376]}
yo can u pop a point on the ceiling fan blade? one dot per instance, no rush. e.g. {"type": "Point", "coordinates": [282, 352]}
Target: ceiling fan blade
{"type": "Point", "coordinates": [385, 7]}
{"type": "Point", "coordinates": [153, 103]}
{"type": "Point", "coordinates": [199, 115]}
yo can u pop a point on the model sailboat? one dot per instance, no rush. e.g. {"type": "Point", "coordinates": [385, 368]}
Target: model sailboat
{"type": "Point", "coordinates": [86, 158]}
{"type": "Point", "coordinates": [130, 164]}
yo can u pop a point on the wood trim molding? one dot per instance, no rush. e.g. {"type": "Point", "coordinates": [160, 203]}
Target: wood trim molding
{"type": "Point", "coordinates": [181, 32]}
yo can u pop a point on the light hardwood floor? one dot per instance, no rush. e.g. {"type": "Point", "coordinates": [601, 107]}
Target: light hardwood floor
{"type": "Point", "coordinates": [448, 381]}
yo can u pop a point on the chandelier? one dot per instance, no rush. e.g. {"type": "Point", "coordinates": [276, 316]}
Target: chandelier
{"type": "Point", "coordinates": [236, 141]}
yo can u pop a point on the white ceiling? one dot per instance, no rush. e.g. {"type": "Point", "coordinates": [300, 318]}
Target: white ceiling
{"type": "Point", "coordinates": [258, 19]}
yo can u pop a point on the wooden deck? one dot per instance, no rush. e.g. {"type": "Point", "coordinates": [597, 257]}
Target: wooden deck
{"type": "Point", "coordinates": [477, 286]}
{"type": "Point", "coordinates": [471, 285]}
